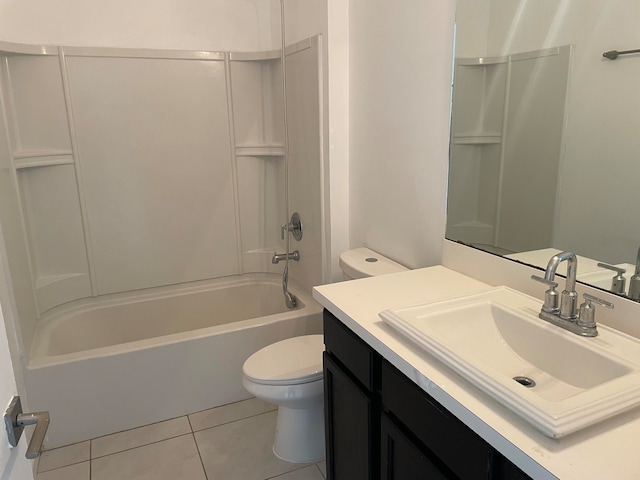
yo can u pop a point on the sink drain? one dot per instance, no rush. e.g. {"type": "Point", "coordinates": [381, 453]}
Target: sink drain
{"type": "Point", "coordinates": [526, 381]}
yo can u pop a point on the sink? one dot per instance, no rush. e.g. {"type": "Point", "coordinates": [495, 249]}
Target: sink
{"type": "Point", "coordinates": [555, 380]}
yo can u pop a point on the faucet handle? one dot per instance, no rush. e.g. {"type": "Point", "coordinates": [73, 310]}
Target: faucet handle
{"type": "Point", "coordinates": [599, 301]}
{"type": "Point", "coordinates": [550, 296]}
{"type": "Point", "coordinates": [588, 311]}
{"type": "Point", "coordinates": [550, 283]}
{"type": "Point", "coordinates": [618, 283]}
{"type": "Point", "coordinates": [612, 268]}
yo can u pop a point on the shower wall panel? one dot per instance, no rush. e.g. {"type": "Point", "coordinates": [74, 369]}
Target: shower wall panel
{"type": "Point", "coordinates": [305, 158]}
{"type": "Point", "coordinates": [134, 168]}
{"type": "Point", "coordinates": [39, 109]}
{"type": "Point", "coordinates": [55, 232]}
{"type": "Point", "coordinates": [45, 182]}
{"type": "Point", "coordinates": [256, 81]}
{"type": "Point", "coordinates": [155, 156]}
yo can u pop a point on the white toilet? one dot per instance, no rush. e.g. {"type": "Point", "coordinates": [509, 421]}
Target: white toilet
{"type": "Point", "coordinates": [362, 262]}
{"type": "Point", "coordinates": [289, 374]}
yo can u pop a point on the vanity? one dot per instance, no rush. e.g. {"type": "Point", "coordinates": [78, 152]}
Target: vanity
{"type": "Point", "coordinates": [382, 425]}
{"type": "Point", "coordinates": [395, 411]}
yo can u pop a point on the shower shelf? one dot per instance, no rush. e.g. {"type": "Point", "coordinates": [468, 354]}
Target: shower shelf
{"type": "Point", "coordinates": [260, 150]}
{"type": "Point", "coordinates": [42, 158]}
{"type": "Point", "coordinates": [46, 280]}
{"type": "Point", "coordinates": [480, 138]}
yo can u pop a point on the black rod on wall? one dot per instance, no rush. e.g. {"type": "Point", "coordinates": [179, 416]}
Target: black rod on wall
{"type": "Point", "coordinates": [613, 54]}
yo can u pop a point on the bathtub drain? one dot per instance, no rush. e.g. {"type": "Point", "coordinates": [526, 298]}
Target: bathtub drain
{"type": "Point", "coordinates": [526, 381]}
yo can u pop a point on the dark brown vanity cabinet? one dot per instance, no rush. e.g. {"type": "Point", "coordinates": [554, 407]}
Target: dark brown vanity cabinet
{"type": "Point", "coordinates": [380, 425]}
{"type": "Point", "coordinates": [352, 404]}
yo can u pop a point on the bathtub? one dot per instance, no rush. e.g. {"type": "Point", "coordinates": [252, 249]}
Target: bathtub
{"type": "Point", "coordinates": [107, 364]}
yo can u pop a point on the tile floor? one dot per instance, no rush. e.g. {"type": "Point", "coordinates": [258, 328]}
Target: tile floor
{"type": "Point", "coordinates": [232, 442]}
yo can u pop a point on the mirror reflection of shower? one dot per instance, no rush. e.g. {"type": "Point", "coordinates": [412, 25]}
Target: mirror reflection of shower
{"type": "Point", "coordinates": [506, 143]}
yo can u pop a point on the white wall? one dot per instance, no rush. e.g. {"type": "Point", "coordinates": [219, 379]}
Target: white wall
{"type": "Point", "coordinates": [241, 25]}
{"type": "Point", "coordinates": [600, 166]}
{"type": "Point", "coordinates": [399, 84]}
{"type": "Point", "coordinates": [337, 149]}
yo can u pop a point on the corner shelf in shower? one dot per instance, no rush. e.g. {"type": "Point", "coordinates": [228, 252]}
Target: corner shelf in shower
{"type": "Point", "coordinates": [42, 158]}
{"type": "Point", "coordinates": [477, 138]}
{"type": "Point", "coordinates": [260, 150]}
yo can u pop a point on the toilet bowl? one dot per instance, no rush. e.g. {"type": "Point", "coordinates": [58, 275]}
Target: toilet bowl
{"type": "Point", "coordinates": [289, 374]}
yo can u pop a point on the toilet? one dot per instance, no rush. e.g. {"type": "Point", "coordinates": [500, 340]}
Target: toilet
{"type": "Point", "coordinates": [289, 374]}
{"type": "Point", "coordinates": [362, 262]}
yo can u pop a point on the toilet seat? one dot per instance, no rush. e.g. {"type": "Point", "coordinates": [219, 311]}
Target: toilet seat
{"type": "Point", "coordinates": [288, 362]}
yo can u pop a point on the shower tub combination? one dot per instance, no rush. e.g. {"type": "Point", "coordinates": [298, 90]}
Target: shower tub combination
{"type": "Point", "coordinates": [107, 364]}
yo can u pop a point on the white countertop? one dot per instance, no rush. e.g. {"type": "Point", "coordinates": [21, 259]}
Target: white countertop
{"type": "Point", "coordinates": [605, 450]}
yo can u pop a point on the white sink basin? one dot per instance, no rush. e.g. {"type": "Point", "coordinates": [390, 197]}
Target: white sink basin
{"type": "Point", "coordinates": [494, 337]}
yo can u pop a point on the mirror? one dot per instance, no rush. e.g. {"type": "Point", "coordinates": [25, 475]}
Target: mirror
{"type": "Point", "coordinates": [545, 150]}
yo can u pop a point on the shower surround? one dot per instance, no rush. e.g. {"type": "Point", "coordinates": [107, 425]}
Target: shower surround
{"type": "Point", "coordinates": [126, 171]}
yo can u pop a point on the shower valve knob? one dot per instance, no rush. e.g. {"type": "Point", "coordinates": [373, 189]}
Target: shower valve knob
{"type": "Point", "coordinates": [294, 226]}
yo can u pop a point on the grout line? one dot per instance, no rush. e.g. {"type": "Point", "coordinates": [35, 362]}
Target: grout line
{"type": "Point", "coordinates": [64, 446]}
{"type": "Point", "coordinates": [141, 426]}
{"type": "Point", "coordinates": [68, 464]}
{"type": "Point", "coordinates": [236, 420]}
{"type": "Point", "coordinates": [38, 473]}
{"type": "Point", "coordinates": [223, 405]}
{"type": "Point", "coordinates": [144, 445]}
{"type": "Point", "coordinates": [190, 424]}
{"type": "Point", "coordinates": [290, 471]}
{"type": "Point", "coordinates": [200, 456]}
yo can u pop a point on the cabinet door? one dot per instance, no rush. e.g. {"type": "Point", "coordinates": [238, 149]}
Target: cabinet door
{"type": "Point", "coordinates": [348, 426]}
{"type": "Point", "coordinates": [466, 454]}
{"type": "Point", "coordinates": [402, 459]}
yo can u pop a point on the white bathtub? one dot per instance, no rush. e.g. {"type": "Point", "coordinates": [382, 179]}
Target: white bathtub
{"type": "Point", "coordinates": [111, 363]}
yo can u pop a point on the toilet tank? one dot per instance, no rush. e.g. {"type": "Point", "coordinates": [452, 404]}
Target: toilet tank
{"type": "Point", "coordinates": [363, 262]}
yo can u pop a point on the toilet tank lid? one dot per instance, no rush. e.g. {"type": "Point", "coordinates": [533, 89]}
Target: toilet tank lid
{"type": "Point", "coordinates": [291, 361]}
{"type": "Point", "coordinates": [364, 262]}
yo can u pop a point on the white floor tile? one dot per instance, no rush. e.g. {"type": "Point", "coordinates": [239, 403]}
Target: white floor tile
{"type": "Point", "coordinates": [137, 437]}
{"type": "Point", "coordinates": [79, 471]}
{"type": "Point", "coordinates": [64, 456]}
{"type": "Point", "coordinates": [229, 413]}
{"type": "Point", "coordinates": [307, 473]}
{"type": "Point", "coordinates": [322, 466]}
{"type": "Point", "coordinates": [173, 459]}
{"type": "Point", "coordinates": [242, 450]}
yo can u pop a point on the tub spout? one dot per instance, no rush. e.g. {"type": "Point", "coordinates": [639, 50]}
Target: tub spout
{"type": "Point", "coordinates": [289, 298]}
{"type": "Point", "coordinates": [279, 257]}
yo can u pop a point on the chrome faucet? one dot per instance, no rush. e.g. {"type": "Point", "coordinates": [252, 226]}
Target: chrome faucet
{"type": "Point", "coordinates": [568, 298]}
{"type": "Point", "coordinates": [634, 282]}
{"type": "Point", "coordinates": [566, 316]}
{"type": "Point", "coordinates": [280, 257]}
